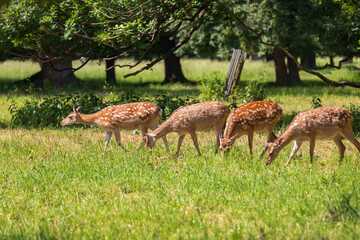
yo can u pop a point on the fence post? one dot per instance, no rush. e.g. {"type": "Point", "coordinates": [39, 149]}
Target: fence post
{"type": "Point", "coordinates": [234, 72]}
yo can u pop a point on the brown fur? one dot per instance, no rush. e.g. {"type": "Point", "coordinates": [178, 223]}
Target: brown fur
{"type": "Point", "coordinates": [250, 118]}
{"type": "Point", "coordinates": [130, 116]}
{"type": "Point", "coordinates": [319, 123]}
{"type": "Point", "coordinates": [191, 119]}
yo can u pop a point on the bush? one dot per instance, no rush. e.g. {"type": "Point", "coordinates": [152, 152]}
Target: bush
{"type": "Point", "coordinates": [212, 87]}
{"type": "Point", "coordinates": [253, 91]}
{"type": "Point", "coordinates": [49, 111]}
{"type": "Point", "coordinates": [355, 112]}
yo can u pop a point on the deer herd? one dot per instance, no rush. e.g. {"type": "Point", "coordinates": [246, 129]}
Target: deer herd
{"type": "Point", "coordinates": [318, 123]}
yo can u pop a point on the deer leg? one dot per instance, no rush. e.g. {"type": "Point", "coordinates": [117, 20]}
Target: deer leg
{"type": "Point", "coordinates": [297, 145]}
{"type": "Point", "coordinates": [141, 145]}
{"type": "Point", "coordinates": [163, 138]}
{"type": "Point", "coordinates": [250, 140]}
{"type": "Point", "coordinates": [349, 135]}
{"type": "Point", "coordinates": [217, 134]}
{"type": "Point", "coordinates": [312, 147]}
{"type": "Point", "coordinates": [270, 138]}
{"type": "Point", "coordinates": [181, 139]}
{"type": "Point", "coordinates": [118, 141]}
{"type": "Point", "coordinates": [195, 141]}
{"type": "Point", "coordinates": [142, 142]}
{"type": "Point", "coordinates": [107, 140]}
{"type": "Point", "coordinates": [340, 146]}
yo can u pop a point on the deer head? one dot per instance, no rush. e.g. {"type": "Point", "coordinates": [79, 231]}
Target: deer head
{"type": "Point", "coordinates": [273, 152]}
{"type": "Point", "coordinates": [149, 140]}
{"type": "Point", "coordinates": [72, 117]}
{"type": "Point", "coordinates": [226, 143]}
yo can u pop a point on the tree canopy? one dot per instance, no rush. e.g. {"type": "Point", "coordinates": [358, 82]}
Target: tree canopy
{"type": "Point", "coordinates": [51, 30]}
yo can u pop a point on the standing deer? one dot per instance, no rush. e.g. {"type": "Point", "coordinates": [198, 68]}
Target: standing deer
{"type": "Point", "coordinates": [319, 123]}
{"type": "Point", "coordinates": [250, 118]}
{"type": "Point", "coordinates": [130, 116]}
{"type": "Point", "coordinates": [191, 119]}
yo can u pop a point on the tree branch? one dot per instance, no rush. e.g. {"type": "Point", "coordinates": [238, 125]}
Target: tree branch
{"type": "Point", "coordinates": [201, 14]}
{"type": "Point", "coordinates": [344, 60]}
{"type": "Point", "coordinates": [322, 77]}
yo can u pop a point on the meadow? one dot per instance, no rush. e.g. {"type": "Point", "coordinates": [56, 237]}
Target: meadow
{"type": "Point", "coordinates": [58, 183]}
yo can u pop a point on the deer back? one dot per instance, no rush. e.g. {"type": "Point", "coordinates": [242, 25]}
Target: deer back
{"type": "Point", "coordinates": [130, 115]}
{"type": "Point", "coordinates": [255, 115]}
{"type": "Point", "coordinates": [126, 116]}
{"type": "Point", "coordinates": [200, 116]}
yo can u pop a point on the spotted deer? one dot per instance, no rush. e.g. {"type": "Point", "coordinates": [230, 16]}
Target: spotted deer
{"type": "Point", "coordinates": [191, 119]}
{"type": "Point", "coordinates": [318, 123]}
{"type": "Point", "coordinates": [130, 116]}
{"type": "Point", "coordinates": [250, 118]}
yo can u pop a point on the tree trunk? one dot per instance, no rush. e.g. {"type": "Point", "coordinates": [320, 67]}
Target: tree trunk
{"type": "Point", "coordinates": [282, 78]}
{"type": "Point", "coordinates": [293, 71]}
{"type": "Point", "coordinates": [58, 75]}
{"type": "Point", "coordinates": [110, 74]}
{"type": "Point", "coordinates": [309, 60]}
{"type": "Point", "coordinates": [173, 71]}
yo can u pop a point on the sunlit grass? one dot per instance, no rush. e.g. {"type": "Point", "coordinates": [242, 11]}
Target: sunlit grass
{"type": "Point", "coordinates": [60, 184]}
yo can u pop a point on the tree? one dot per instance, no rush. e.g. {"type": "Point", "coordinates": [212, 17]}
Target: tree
{"type": "Point", "coordinates": [32, 30]}
{"type": "Point", "coordinates": [264, 42]}
{"type": "Point", "coordinates": [55, 32]}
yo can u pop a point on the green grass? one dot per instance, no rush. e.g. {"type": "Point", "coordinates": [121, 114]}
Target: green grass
{"type": "Point", "coordinates": [59, 184]}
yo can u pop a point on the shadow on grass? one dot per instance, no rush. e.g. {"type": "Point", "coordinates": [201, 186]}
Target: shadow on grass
{"type": "Point", "coordinates": [4, 125]}
{"type": "Point", "coordinates": [307, 88]}
{"type": "Point", "coordinates": [86, 87]}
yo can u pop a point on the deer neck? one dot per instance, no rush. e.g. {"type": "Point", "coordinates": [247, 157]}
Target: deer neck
{"type": "Point", "coordinates": [89, 119]}
{"type": "Point", "coordinates": [284, 139]}
{"type": "Point", "coordinates": [162, 130]}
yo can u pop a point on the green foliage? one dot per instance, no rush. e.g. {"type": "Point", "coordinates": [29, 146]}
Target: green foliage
{"type": "Point", "coordinates": [253, 91]}
{"type": "Point", "coordinates": [316, 102]}
{"type": "Point", "coordinates": [95, 29]}
{"type": "Point", "coordinates": [355, 113]}
{"type": "Point", "coordinates": [49, 111]}
{"type": "Point", "coordinates": [212, 87]}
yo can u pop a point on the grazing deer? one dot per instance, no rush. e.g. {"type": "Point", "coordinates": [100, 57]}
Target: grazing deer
{"type": "Point", "coordinates": [191, 119]}
{"type": "Point", "coordinates": [319, 123]}
{"type": "Point", "coordinates": [130, 116]}
{"type": "Point", "coordinates": [250, 118]}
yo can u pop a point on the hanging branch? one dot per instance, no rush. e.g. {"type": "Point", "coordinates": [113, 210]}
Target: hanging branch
{"type": "Point", "coordinates": [344, 60]}
{"type": "Point", "coordinates": [322, 77]}
{"type": "Point", "coordinates": [177, 46]}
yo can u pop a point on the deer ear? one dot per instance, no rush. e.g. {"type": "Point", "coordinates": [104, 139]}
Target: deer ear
{"type": "Point", "coordinates": [266, 145]}
{"type": "Point", "coordinates": [145, 137]}
{"type": "Point", "coordinates": [221, 135]}
{"type": "Point", "coordinates": [78, 109]}
{"type": "Point", "coordinates": [234, 137]}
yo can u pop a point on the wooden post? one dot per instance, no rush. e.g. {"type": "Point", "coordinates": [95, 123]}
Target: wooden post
{"type": "Point", "coordinates": [234, 72]}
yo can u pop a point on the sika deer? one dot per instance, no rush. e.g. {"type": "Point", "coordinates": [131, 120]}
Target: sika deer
{"type": "Point", "coordinates": [130, 116]}
{"type": "Point", "coordinates": [191, 119]}
{"type": "Point", "coordinates": [250, 118]}
{"type": "Point", "coordinates": [319, 123]}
